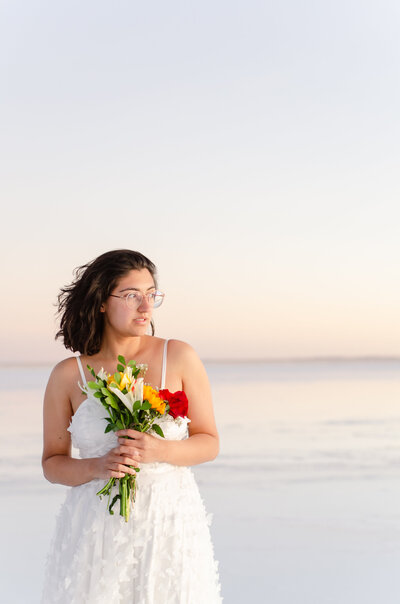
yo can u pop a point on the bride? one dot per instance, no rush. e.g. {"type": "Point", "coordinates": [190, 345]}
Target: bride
{"type": "Point", "coordinates": [164, 554]}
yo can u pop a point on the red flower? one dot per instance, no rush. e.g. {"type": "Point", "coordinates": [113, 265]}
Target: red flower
{"type": "Point", "coordinates": [178, 403]}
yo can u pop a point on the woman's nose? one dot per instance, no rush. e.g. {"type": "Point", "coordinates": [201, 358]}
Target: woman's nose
{"type": "Point", "coordinates": [144, 304]}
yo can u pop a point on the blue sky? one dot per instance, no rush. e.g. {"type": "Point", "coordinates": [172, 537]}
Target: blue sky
{"type": "Point", "coordinates": [249, 148]}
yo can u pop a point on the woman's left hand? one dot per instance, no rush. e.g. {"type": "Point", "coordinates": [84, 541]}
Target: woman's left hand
{"type": "Point", "coordinates": [140, 445]}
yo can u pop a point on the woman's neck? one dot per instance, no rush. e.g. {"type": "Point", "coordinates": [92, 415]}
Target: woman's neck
{"type": "Point", "coordinates": [130, 348]}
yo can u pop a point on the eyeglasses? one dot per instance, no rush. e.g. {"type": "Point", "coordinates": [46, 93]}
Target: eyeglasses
{"type": "Point", "coordinates": [134, 299]}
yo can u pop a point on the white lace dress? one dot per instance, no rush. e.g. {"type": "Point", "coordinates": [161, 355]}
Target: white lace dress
{"type": "Point", "coordinates": [163, 555]}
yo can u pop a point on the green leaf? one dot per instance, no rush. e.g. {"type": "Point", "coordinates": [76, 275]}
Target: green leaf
{"type": "Point", "coordinates": [119, 425]}
{"type": "Point", "coordinates": [158, 430]}
{"type": "Point", "coordinates": [105, 391]}
{"type": "Point", "coordinates": [98, 395]}
{"type": "Point", "coordinates": [132, 364]}
{"type": "Point", "coordinates": [112, 402]}
{"type": "Point", "coordinates": [93, 385]}
{"type": "Point", "coordinates": [127, 415]}
{"type": "Point", "coordinates": [136, 405]}
{"type": "Point", "coordinates": [146, 405]}
{"type": "Point", "coordinates": [120, 368]}
{"type": "Point", "coordinates": [122, 359]}
{"type": "Point", "coordinates": [91, 370]}
{"type": "Point", "coordinates": [109, 428]}
{"type": "Point", "coordinates": [117, 378]}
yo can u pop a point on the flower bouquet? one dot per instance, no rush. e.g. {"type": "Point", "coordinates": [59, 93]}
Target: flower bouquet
{"type": "Point", "coordinates": [131, 403]}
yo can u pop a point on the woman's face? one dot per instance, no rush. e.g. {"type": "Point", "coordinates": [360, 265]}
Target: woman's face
{"type": "Point", "coordinates": [133, 318]}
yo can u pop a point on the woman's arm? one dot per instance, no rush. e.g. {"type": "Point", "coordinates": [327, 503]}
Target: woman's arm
{"type": "Point", "coordinates": [58, 465]}
{"type": "Point", "coordinates": [203, 442]}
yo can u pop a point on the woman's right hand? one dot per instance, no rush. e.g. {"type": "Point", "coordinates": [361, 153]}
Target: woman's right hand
{"type": "Point", "coordinates": [115, 465]}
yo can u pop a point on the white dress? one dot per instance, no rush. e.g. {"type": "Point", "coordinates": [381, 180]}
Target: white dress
{"type": "Point", "coordinates": [162, 555]}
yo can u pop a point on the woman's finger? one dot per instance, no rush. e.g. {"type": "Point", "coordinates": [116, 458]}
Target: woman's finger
{"type": "Point", "coordinates": [133, 451]}
{"type": "Point", "coordinates": [124, 469]}
{"type": "Point", "coordinates": [128, 461]}
{"type": "Point", "coordinates": [134, 434]}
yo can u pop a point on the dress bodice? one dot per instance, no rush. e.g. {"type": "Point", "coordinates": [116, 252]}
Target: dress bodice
{"type": "Point", "coordinates": [89, 423]}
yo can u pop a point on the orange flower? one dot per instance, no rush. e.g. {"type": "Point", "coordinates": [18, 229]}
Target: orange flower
{"type": "Point", "coordinates": [110, 379]}
{"type": "Point", "coordinates": [154, 399]}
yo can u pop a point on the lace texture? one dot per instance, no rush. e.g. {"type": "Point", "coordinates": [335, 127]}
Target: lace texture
{"type": "Point", "coordinates": [163, 555]}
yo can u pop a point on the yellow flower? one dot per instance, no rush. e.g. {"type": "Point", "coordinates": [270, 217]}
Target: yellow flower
{"type": "Point", "coordinates": [154, 399]}
{"type": "Point", "coordinates": [125, 382]}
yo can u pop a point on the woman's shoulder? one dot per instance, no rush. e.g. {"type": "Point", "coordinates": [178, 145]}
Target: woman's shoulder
{"type": "Point", "coordinates": [178, 346]}
{"type": "Point", "coordinates": [182, 354]}
{"type": "Point", "coordinates": [65, 370]}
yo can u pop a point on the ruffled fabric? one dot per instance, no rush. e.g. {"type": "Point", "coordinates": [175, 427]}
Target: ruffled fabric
{"type": "Point", "coordinates": [163, 555]}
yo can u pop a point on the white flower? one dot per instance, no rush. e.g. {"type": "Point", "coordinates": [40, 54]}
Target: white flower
{"type": "Point", "coordinates": [125, 398]}
{"type": "Point", "coordinates": [143, 368]}
{"type": "Point", "coordinates": [102, 374]}
{"type": "Point", "coordinates": [133, 395]}
{"type": "Point", "coordinates": [128, 373]}
{"type": "Point", "coordinates": [138, 390]}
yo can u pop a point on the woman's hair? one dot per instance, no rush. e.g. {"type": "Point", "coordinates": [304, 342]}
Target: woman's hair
{"type": "Point", "coordinates": [81, 321]}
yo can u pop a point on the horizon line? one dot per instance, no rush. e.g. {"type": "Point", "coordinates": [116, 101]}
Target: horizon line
{"type": "Point", "coordinates": [258, 360]}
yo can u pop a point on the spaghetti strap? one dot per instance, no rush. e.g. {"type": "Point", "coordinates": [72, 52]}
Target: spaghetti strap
{"type": "Point", "coordinates": [164, 365]}
{"type": "Point", "coordinates": [78, 360]}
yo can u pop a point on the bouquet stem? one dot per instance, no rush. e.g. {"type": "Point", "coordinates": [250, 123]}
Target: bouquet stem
{"type": "Point", "coordinates": [126, 493]}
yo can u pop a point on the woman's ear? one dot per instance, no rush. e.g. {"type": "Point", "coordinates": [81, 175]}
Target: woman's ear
{"type": "Point", "coordinates": [102, 308]}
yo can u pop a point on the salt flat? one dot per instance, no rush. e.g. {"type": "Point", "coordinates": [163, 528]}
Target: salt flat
{"type": "Point", "coordinates": [304, 493]}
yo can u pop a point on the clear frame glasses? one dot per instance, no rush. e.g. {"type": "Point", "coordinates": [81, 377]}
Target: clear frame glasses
{"type": "Point", "coordinates": [134, 299]}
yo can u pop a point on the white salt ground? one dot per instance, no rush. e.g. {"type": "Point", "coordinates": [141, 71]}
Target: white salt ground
{"type": "Point", "coordinates": [304, 494]}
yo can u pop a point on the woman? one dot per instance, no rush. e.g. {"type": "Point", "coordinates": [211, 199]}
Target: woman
{"type": "Point", "coordinates": [163, 555]}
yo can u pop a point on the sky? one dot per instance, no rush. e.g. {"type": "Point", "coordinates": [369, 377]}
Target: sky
{"type": "Point", "coordinates": [250, 149]}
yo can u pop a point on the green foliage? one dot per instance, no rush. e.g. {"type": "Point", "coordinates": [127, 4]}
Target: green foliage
{"type": "Point", "coordinates": [121, 359]}
{"type": "Point", "coordinates": [112, 402]}
{"type": "Point", "coordinates": [158, 430]}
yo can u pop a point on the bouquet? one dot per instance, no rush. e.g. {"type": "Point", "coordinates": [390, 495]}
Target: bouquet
{"type": "Point", "coordinates": [131, 403]}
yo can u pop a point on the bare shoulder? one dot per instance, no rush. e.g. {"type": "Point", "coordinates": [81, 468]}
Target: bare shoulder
{"type": "Point", "coordinates": [182, 353]}
{"type": "Point", "coordinates": [65, 368]}
{"type": "Point", "coordinates": [186, 362]}
{"type": "Point", "coordinates": [64, 374]}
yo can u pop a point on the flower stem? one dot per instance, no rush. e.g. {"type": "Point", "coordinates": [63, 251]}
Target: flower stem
{"type": "Point", "coordinates": [107, 488]}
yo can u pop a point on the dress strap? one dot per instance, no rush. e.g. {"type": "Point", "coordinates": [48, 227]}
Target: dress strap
{"type": "Point", "coordinates": [78, 360]}
{"type": "Point", "coordinates": [164, 365]}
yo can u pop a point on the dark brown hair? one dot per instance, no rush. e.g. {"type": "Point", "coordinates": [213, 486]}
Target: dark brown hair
{"type": "Point", "coordinates": [81, 322]}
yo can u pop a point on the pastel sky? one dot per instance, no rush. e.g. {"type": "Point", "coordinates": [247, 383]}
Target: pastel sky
{"type": "Point", "coordinates": [249, 148]}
